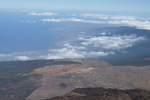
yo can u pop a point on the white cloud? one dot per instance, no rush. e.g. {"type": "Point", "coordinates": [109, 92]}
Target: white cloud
{"type": "Point", "coordinates": [42, 14]}
{"type": "Point", "coordinates": [103, 33]}
{"type": "Point", "coordinates": [74, 47]}
{"type": "Point", "coordinates": [27, 21]}
{"type": "Point", "coordinates": [138, 24]}
{"type": "Point", "coordinates": [108, 17]}
{"type": "Point", "coordinates": [64, 53]}
{"type": "Point", "coordinates": [130, 21]}
{"type": "Point", "coordinates": [16, 56]}
{"type": "Point", "coordinates": [64, 20]}
{"type": "Point", "coordinates": [141, 23]}
{"type": "Point", "coordinates": [23, 58]}
{"type": "Point", "coordinates": [92, 46]}
{"type": "Point", "coordinates": [111, 42]}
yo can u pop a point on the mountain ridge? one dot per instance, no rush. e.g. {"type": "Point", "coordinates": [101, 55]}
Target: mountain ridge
{"type": "Point", "coordinates": [104, 94]}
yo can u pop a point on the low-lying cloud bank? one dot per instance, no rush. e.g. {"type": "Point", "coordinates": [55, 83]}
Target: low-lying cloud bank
{"type": "Point", "coordinates": [131, 21]}
{"type": "Point", "coordinates": [112, 42]}
{"type": "Point", "coordinates": [92, 46]}
{"type": "Point", "coordinates": [84, 47]}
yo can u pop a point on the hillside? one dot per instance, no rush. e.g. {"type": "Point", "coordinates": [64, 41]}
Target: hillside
{"type": "Point", "coordinates": [16, 84]}
{"type": "Point", "coordinates": [42, 79]}
{"type": "Point", "coordinates": [104, 94]}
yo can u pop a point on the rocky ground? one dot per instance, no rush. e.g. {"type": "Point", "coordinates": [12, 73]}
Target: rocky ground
{"type": "Point", "coordinates": [60, 79]}
{"type": "Point", "coordinates": [104, 94]}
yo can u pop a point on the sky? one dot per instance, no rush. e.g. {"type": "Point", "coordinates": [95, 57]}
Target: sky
{"type": "Point", "coordinates": [100, 5]}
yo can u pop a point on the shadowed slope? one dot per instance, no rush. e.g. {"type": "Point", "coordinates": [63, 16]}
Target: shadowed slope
{"type": "Point", "coordinates": [104, 94]}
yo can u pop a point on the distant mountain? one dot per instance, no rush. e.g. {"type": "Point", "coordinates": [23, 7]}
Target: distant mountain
{"type": "Point", "coordinates": [42, 79]}
{"type": "Point", "coordinates": [104, 94]}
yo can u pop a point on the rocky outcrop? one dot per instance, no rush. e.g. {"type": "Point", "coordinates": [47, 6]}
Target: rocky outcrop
{"type": "Point", "coordinates": [104, 94]}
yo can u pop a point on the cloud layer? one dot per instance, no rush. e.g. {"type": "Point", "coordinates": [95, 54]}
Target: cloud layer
{"type": "Point", "coordinates": [42, 14]}
{"type": "Point", "coordinates": [83, 47]}
{"type": "Point", "coordinates": [111, 43]}
{"type": "Point", "coordinates": [92, 46]}
{"type": "Point", "coordinates": [131, 21]}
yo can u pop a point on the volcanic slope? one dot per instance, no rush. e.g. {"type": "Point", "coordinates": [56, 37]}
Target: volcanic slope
{"type": "Point", "coordinates": [15, 81]}
{"type": "Point", "coordinates": [104, 94]}
{"type": "Point", "coordinates": [60, 78]}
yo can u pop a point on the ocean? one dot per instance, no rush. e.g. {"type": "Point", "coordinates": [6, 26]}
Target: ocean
{"type": "Point", "coordinates": [18, 34]}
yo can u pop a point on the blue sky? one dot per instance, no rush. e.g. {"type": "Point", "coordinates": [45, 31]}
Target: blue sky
{"type": "Point", "coordinates": [100, 5]}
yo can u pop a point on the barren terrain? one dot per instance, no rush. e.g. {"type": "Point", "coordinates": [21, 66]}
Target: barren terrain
{"type": "Point", "coordinates": [42, 79]}
{"type": "Point", "coordinates": [104, 94]}
{"type": "Point", "coordinates": [60, 79]}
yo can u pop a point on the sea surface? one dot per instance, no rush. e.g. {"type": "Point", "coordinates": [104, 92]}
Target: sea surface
{"type": "Point", "coordinates": [17, 34]}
